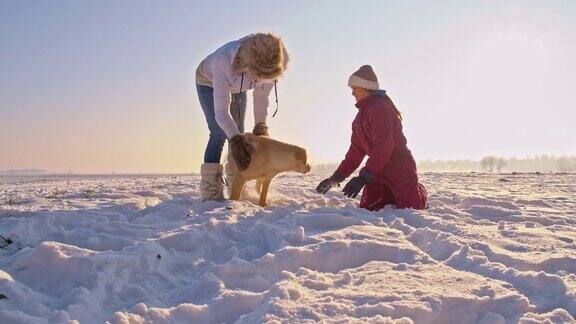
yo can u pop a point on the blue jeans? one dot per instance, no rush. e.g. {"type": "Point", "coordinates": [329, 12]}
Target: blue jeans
{"type": "Point", "coordinates": [213, 151]}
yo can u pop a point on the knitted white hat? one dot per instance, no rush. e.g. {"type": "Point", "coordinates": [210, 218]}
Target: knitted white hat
{"type": "Point", "coordinates": [364, 78]}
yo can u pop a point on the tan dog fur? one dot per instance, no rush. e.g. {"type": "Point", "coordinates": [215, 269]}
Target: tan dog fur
{"type": "Point", "coordinates": [270, 158]}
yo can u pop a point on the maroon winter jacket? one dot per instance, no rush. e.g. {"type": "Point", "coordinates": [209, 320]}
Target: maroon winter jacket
{"type": "Point", "coordinates": [377, 133]}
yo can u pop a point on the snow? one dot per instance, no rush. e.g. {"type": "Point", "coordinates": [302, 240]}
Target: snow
{"type": "Point", "coordinates": [492, 248]}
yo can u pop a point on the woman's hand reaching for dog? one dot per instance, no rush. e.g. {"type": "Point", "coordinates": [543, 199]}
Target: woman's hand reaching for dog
{"type": "Point", "coordinates": [260, 129]}
{"type": "Point", "coordinates": [328, 183]}
{"type": "Point", "coordinates": [353, 187]}
{"type": "Point", "coordinates": [241, 150]}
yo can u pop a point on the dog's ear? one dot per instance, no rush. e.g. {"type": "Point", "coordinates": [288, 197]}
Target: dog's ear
{"type": "Point", "coordinates": [253, 139]}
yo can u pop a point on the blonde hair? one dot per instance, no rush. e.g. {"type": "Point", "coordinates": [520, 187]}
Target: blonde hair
{"type": "Point", "coordinates": [263, 56]}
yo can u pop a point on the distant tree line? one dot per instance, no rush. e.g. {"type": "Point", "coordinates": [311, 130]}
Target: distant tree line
{"type": "Point", "coordinates": [14, 172]}
{"type": "Point", "coordinates": [492, 163]}
{"type": "Point", "coordinates": [541, 163]}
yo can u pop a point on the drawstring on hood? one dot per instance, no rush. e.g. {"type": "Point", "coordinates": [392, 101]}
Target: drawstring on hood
{"type": "Point", "coordinates": [264, 57]}
{"type": "Point", "coordinates": [276, 97]}
{"type": "Point", "coordinates": [275, 93]}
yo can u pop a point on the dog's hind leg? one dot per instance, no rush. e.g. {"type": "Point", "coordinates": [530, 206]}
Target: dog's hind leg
{"type": "Point", "coordinates": [258, 186]}
{"type": "Point", "coordinates": [264, 192]}
{"type": "Point", "coordinates": [237, 187]}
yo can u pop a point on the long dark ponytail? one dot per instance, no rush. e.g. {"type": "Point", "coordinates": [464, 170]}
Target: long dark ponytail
{"type": "Point", "coordinates": [382, 93]}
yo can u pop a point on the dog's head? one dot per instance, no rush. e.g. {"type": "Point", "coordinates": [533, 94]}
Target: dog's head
{"type": "Point", "coordinates": [302, 165]}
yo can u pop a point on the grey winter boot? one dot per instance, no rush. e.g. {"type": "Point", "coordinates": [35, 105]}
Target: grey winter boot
{"type": "Point", "coordinates": [212, 184]}
{"type": "Point", "coordinates": [229, 172]}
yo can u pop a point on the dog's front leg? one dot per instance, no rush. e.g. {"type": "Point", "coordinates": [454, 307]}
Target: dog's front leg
{"type": "Point", "coordinates": [237, 187]}
{"type": "Point", "coordinates": [264, 192]}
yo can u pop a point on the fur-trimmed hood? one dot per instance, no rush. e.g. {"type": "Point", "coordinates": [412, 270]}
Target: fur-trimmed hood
{"type": "Point", "coordinates": [263, 56]}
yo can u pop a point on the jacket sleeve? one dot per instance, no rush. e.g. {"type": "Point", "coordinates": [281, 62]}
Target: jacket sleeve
{"type": "Point", "coordinates": [222, 98]}
{"type": "Point", "coordinates": [261, 102]}
{"type": "Point", "coordinates": [381, 132]}
{"type": "Point", "coordinates": [353, 158]}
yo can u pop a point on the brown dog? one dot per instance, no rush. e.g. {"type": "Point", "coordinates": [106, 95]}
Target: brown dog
{"type": "Point", "coordinates": [270, 158]}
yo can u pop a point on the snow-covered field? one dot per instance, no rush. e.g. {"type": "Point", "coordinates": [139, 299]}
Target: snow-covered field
{"type": "Point", "coordinates": [144, 249]}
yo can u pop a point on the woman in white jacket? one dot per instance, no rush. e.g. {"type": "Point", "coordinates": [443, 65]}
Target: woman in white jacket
{"type": "Point", "coordinates": [252, 62]}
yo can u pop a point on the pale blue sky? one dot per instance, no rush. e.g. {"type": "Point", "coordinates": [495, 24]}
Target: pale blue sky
{"type": "Point", "coordinates": [101, 86]}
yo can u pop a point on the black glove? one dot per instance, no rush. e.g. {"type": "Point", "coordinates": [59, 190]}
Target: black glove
{"type": "Point", "coordinates": [353, 187]}
{"type": "Point", "coordinates": [260, 129]}
{"type": "Point", "coordinates": [241, 149]}
{"type": "Point", "coordinates": [328, 183]}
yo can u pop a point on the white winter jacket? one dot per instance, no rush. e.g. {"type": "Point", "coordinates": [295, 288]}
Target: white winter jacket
{"type": "Point", "coordinates": [216, 71]}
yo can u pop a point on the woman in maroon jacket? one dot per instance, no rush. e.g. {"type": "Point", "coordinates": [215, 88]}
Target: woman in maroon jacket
{"type": "Point", "coordinates": [389, 176]}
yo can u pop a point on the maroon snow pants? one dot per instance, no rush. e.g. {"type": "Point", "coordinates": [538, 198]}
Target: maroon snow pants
{"type": "Point", "coordinates": [377, 194]}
